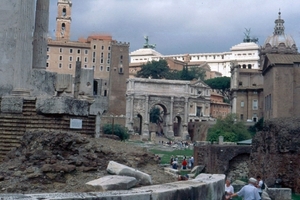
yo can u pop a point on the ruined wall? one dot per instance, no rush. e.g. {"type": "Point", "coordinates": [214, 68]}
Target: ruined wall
{"type": "Point", "coordinates": [220, 158]}
{"type": "Point", "coordinates": [276, 152]}
{"type": "Point", "coordinates": [14, 125]}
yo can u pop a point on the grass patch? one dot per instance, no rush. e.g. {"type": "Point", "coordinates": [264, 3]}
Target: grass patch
{"type": "Point", "coordinates": [166, 155]}
{"type": "Point", "coordinates": [296, 196]}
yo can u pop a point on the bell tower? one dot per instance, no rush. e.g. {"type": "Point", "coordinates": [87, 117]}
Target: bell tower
{"type": "Point", "coordinates": [63, 20]}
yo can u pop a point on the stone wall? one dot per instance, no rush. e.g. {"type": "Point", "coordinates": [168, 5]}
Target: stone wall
{"type": "Point", "coordinates": [276, 152]}
{"type": "Point", "coordinates": [14, 124]}
{"type": "Point", "coordinates": [223, 159]}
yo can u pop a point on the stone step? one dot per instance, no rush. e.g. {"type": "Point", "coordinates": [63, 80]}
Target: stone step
{"type": "Point", "coordinates": [10, 144]}
{"type": "Point", "coordinates": [10, 137]}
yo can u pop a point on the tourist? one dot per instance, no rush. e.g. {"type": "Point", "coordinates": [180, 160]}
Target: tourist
{"type": "Point", "coordinates": [192, 162]}
{"type": "Point", "coordinates": [259, 185]}
{"type": "Point", "coordinates": [171, 160]}
{"type": "Point", "coordinates": [228, 189]}
{"type": "Point", "coordinates": [248, 192]}
{"type": "Point", "coordinates": [184, 164]}
{"type": "Point", "coordinates": [174, 164]}
{"type": "Point", "coordinates": [183, 177]}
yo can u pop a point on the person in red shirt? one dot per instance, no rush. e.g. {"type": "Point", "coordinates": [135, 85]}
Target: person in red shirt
{"type": "Point", "coordinates": [184, 164]}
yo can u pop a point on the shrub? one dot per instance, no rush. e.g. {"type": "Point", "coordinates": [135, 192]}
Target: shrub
{"type": "Point", "coordinates": [117, 130]}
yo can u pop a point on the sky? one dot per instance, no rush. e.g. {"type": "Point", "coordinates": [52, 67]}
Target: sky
{"type": "Point", "coordinates": [181, 26]}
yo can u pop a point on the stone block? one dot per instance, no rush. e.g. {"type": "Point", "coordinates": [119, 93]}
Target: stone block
{"type": "Point", "coordinates": [280, 193]}
{"type": "Point", "coordinates": [12, 104]}
{"type": "Point", "coordinates": [112, 183]}
{"type": "Point", "coordinates": [197, 169]}
{"type": "Point", "coordinates": [119, 169]}
{"type": "Point", "coordinates": [62, 105]}
{"type": "Point", "coordinates": [42, 83]}
{"type": "Point", "coordinates": [64, 83]}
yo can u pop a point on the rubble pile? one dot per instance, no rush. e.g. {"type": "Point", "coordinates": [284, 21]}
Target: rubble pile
{"type": "Point", "coordinates": [49, 161]}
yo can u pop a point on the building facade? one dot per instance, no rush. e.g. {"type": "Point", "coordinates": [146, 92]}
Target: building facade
{"type": "Point", "coordinates": [218, 108]}
{"type": "Point", "coordinates": [94, 52]}
{"type": "Point", "coordinates": [245, 54]}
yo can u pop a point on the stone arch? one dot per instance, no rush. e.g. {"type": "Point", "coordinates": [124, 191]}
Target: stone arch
{"type": "Point", "coordinates": [238, 166]}
{"type": "Point", "coordinates": [177, 125]}
{"type": "Point", "coordinates": [162, 127]}
{"type": "Point", "coordinates": [139, 124]}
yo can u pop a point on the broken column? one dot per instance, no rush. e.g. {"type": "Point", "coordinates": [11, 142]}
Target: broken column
{"type": "Point", "coordinates": [40, 34]}
{"type": "Point", "coordinates": [23, 54]}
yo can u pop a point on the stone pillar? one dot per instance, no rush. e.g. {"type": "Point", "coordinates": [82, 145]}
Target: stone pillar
{"type": "Point", "coordinates": [23, 55]}
{"type": "Point", "coordinates": [98, 125]}
{"type": "Point", "coordinates": [40, 34]}
{"type": "Point", "coordinates": [170, 129]}
{"type": "Point", "coordinates": [130, 128]}
{"type": "Point", "coordinates": [185, 124]}
{"type": "Point", "coordinates": [77, 79]}
{"type": "Point", "coordinates": [146, 120]}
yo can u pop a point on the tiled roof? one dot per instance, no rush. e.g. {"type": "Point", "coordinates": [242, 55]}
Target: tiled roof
{"type": "Point", "coordinates": [283, 58]}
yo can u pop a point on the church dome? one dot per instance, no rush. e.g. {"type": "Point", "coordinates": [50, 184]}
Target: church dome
{"type": "Point", "coordinates": [279, 42]}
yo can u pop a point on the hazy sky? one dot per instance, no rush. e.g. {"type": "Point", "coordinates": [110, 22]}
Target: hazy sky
{"type": "Point", "coordinates": [181, 26]}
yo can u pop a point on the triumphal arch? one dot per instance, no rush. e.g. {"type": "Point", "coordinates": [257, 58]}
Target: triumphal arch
{"type": "Point", "coordinates": [179, 102]}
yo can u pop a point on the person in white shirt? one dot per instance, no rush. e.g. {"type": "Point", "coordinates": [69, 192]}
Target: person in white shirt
{"type": "Point", "coordinates": [259, 185]}
{"type": "Point", "coordinates": [228, 189]}
{"type": "Point", "coordinates": [248, 192]}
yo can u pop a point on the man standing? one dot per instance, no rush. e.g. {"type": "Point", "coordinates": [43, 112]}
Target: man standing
{"type": "Point", "coordinates": [259, 185]}
{"type": "Point", "coordinates": [249, 192]}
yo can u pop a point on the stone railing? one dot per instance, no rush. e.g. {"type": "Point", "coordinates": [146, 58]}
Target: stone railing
{"type": "Point", "coordinates": [204, 186]}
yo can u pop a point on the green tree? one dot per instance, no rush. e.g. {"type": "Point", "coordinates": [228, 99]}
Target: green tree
{"type": "Point", "coordinates": [231, 129]}
{"type": "Point", "coordinates": [187, 74]}
{"type": "Point", "coordinates": [116, 129]}
{"type": "Point", "coordinates": [154, 69]}
{"type": "Point", "coordinates": [221, 84]}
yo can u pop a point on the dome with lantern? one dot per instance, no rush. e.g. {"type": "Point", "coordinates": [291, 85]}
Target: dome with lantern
{"type": "Point", "coordinates": [279, 42]}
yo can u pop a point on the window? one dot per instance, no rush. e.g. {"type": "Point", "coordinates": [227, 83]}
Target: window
{"type": "Point", "coordinates": [240, 83]}
{"type": "Point", "coordinates": [71, 50]}
{"type": "Point", "coordinates": [86, 51]}
{"type": "Point", "coordinates": [107, 69]}
{"type": "Point", "coordinates": [85, 66]}
{"type": "Point", "coordinates": [242, 104]}
{"type": "Point", "coordinates": [94, 54]}
{"type": "Point", "coordinates": [108, 55]}
{"type": "Point", "coordinates": [86, 59]}
{"type": "Point", "coordinates": [64, 12]}
{"type": "Point", "coordinates": [48, 49]}
{"type": "Point", "coordinates": [105, 93]}
{"type": "Point", "coordinates": [95, 47]}
{"type": "Point", "coordinates": [47, 64]}
{"type": "Point", "coordinates": [101, 61]}
{"type": "Point", "coordinates": [78, 58]}
{"type": "Point", "coordinates": [242, 117]}
{"type": "Point", "coordinates": [198, 113]}
{"type": "Point", "coordinates": [254, 104]}
{"type": "Point", "coordinates": [78, 51]}
{"type": "Point", "coordinates": [60, 50]}
{"type": "Point", "coordinates": [102, 47]}
{"type": "Point", "coordinates": [121, 57]}
{"type": "Point", "coordinates": [102, 55]}
{"type": "Point", "coordinates": [70, 66]}
{"type": "Point", "coordinates": [71, 58]}
{"type": "Point", "coordinates": [59, 65]}
{"type": "Point", "coordinates": [121, 70]}
{"type": "Point", "coordinates": [47, 57]}
{"type": "Point", "coordinates": [101, 68]}
{"type": "Point", "coordinates": [94, 60]}
{"type": "Point", "coordinates": [60, 58]}
{"type": "Point", "coordinates": [109, 48]}
{"type": "Point", "coordinates": [108, 61]}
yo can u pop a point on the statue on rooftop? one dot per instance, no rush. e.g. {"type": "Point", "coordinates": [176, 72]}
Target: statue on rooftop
{"type": "Point", "coordinates": [147, 45]}
{"type": "Point", "coordinates": [248, 38]}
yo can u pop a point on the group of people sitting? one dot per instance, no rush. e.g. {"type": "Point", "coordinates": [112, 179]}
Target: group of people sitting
{"type": "Point", "coordinates": [252, 191]}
